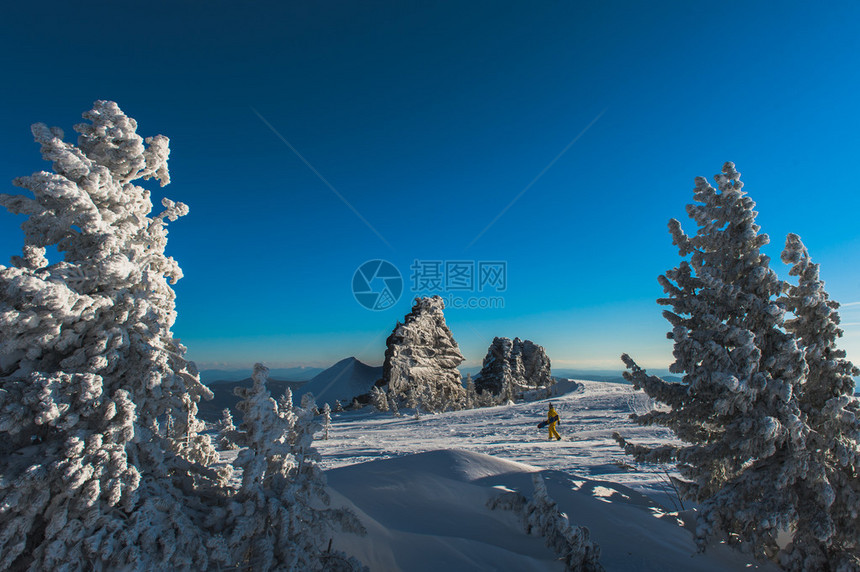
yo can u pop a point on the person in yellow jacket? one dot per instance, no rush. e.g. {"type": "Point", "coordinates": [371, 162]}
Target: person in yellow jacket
{"type": "Point", "coordinates": [552, 419]}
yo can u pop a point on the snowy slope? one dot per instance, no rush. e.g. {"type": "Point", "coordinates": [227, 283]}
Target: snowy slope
{"type": "Point", "coordinates": [343, 381]}
{"type": "Point", "coordinates": [590, 411]}
{"type": "Point", "coordinates": [427, 512]}
{"type": "Point", "coordinates": [422, 489]}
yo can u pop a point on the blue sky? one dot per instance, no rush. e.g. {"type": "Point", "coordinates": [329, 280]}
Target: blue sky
{"type": "Point", "coordinates": [429, 118]}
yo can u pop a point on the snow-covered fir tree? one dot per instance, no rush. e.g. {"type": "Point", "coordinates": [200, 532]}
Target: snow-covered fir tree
{"type": "Point", "coordinates": [421, 353]}
{"type": "Point", "coordinates": [471, 399]}
{"type": "Point", "coordinates": [379, 399]}
{"type": "Point", "coordinates": [227, 431]}
{"type": "Point", "coordinates": [275, 520]}
{"type": "Point", "coordinates": [326, 420]}
{"type": "Point", "coordinates": [309, 402]}
{"type": "Point", "coordinates": [413, 401]}
{"type": "Point", "coordinates": [285, 401]}
{"type": "Point", "coordinates": [736, 408]}
{"type": "Point", "coordinates": [507, 394]}
{"type": "Point", "coordinates": [102, 466]}
{"type": "Point", "coordinates": [338, 406]}
{"type": "Point", "coordinates": [90, 373]}
{"type": "Point", "coordinates": [825, 537]}
{"type": "Point", "coordinates": [392, 406]}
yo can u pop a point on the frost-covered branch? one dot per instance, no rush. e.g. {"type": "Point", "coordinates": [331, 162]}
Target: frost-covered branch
{"type": "Point", "coordinates": [540, 516]}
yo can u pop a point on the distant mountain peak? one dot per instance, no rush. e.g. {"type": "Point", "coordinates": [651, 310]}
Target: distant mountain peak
{"type": "Point", "coordinates": [346, 379]}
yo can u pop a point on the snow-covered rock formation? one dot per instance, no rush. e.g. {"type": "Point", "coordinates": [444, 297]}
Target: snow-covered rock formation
{"type": "Point", "coordinates": [421, 356]}
{"type": "Point", "coordinates": [523, 361]}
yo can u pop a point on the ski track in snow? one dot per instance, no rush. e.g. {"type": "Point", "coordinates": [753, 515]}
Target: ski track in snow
{"type": "Point", "coordinates": [588, 417]}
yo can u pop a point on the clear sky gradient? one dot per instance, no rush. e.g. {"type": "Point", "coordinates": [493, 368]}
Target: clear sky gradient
{"type": "Point", "coordinates": [428, 119]}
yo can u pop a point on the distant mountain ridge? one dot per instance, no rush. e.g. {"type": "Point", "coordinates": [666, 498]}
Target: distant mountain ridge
{"type": "Point", "coordinates": [343, 381]}
{"type": "Point", "coordinates": [299, 373]}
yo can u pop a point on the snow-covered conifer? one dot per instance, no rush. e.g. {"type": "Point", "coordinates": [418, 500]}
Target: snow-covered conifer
{"type": "Point", "coordinates": [285, 401]}
{"type": "Point", "coordinates": [392, 406]}
{"type": "Point", "coordinates": [471, 393]}
{"type": "Point", "coordinates": [309, 402]}
{"type": "Point", "coordinates": [91, 375]}
{"type": "Point", "coordinates": [356, 404]}
{"type": "Point", "coordinates": [506, 396]}
{"type": "Point", "coordinates": [326, 420]}
{"type": "Point", "coordinates": [338, 406]}
{"type": "Point", "coordinates": [275, 521]}
{"type": "Point", "coordinates": [413, 401]}
{"type": "Point", "coordinates": [379, 399]}
{"type": "Point", "coordinates": [227, 431]}
{"type": "Point", "coordinates": [736, 407]}
{"type": "Point", "coordinates": [827, 534]}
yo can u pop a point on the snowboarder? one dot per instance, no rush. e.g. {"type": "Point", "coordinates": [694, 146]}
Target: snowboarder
{"type": "Point", "coordinates": [552, 419]}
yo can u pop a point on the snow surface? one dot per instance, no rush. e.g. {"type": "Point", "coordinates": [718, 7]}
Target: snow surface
{"type": "Point", "coordinates": [589, 412]}
{"type": "Point", "coordinates": [420, 487]}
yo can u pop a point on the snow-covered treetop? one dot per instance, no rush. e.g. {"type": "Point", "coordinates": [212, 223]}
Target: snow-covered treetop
{"type": "Point", "coordinates": [107, 308]}
{"type": "Point", "coordinates": [816, 318]}
{"type": "Point", "coordinates": [94, 385]}
{"type": "Point", "coordinates": [90, 209]}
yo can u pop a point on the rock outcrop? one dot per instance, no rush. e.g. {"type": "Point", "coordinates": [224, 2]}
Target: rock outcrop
{"type": "Point", "coordinates": [422, 356]}
{"type": "Point", "coordinates": [527, 362]}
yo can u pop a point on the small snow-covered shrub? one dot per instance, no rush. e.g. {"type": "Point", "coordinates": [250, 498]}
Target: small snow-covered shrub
{"type": "Point", "coordinates": [379, 399]}
{"type": "Point", "coordinates": [392, 406]}
{"type": "Point", "coordinates": [540, 516]}
{"type": "Point", "coordinates": [227, 431]}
